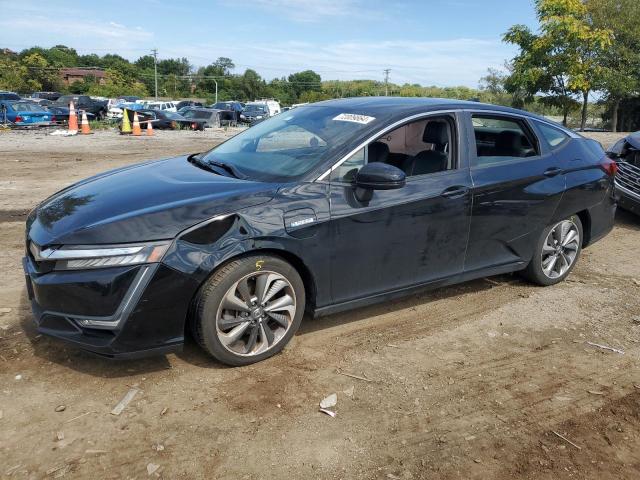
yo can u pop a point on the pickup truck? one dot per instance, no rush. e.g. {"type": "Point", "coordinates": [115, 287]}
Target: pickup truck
{"type": "Point", "coordinates": [84, 102]}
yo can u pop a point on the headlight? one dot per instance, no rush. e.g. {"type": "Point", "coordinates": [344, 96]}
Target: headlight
{"type": "Point", "coordinates": [259, 117]}
{"type": "Point", "coordinates": [84, 257]}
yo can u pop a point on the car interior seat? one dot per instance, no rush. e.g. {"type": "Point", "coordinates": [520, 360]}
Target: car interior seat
{"type": "Point", "coordinates": [435, 160]}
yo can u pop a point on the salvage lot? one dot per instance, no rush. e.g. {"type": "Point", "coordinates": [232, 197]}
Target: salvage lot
{"type": "Point", "coordinates": [465, 382]}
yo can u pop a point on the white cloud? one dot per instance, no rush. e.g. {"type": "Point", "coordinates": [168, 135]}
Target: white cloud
{"type": "Point", "coordinates": [69, 27]}
{"type": "Point", "coordinates": [307, 10]}
{"type": "Point", "coordinates": [444, 63]}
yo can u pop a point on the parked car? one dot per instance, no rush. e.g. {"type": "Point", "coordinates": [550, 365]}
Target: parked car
{"type": "Point", "coordinates": [22, 113]}
{"type": "Point", "coordinates": [187, 103]}
{"type": "Point", "coordinates": [115, 112]}
{"type": "Point", "coordinates": [168, 106]}
{"type": "Point", "coordinates": [84, 102]}
{"type": "Point", "coordinates": [627, 154]}
{"type": "Point", "coordinates": [128, 98]}
{"type": "Point", "coordinates": [273, 107]}
{"type": "Point", "coordinates": [51, 96]}
{"type": "Point", "coordinates": [61, 115]}
{"type": "Point", "coordinates": [233, 110]}
{"type": "Point", "coordinates": [163, 119]}
{"type": "Point", "coordinates": [254, 112]}
{"type": "Point", "coordinates": [4, 95]}
{"type": "Point", "coordinates": [332, 206]}
{"type": "Point", "coordinates": [208, 117]}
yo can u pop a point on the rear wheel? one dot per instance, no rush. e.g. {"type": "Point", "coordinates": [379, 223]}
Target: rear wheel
{"type": "Point", "coordinates": [556, 253]}
{"type": "Point", "coordinates": [249, 309]}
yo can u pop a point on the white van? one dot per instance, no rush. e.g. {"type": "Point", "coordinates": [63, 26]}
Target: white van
{"type": "Point", "coordinates": [167, 106]}
{"type": "Point", "coordinates": [272, 105]}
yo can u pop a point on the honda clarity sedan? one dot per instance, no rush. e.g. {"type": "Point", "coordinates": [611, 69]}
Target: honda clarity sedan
{"type": "Point", "coordinates": [321, 209]}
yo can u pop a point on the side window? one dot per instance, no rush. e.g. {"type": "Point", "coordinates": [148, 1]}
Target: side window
{"type": "Point", "coordinates": [554, 136]}
{"type": "Point", "coordinates": [346, 172]}
{"type": "Point", "coordinates": [422, 147]}
{"type": "Point", "coordinates": [502, 139]}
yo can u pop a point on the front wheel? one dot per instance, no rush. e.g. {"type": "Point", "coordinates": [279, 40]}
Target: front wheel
{"type": "Point", "coordinates": [249, 309]}
{"type": "Point", "coordinates": [556, 252]}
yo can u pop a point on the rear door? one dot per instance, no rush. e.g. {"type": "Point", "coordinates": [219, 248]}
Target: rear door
{"type": "Point", "coordinates": [517, 186]}
{"type": "Point", "coordinates": [405, 237]}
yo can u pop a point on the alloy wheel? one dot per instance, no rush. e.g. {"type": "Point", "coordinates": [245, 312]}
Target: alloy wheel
{"type": "Point", "coordinates": [256, 313]}
{"type": "Point", "coordinates": [560, 249]}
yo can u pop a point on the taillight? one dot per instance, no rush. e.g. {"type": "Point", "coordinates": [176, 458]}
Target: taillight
{"type": "Point", "coordinates": [609, 166]}
{"type": "Point", "coordinates": [18, 119]}
{"type": "Point", "coordinates": [193, 125]}
{"type": "Point", "coordinates": [54, 119]}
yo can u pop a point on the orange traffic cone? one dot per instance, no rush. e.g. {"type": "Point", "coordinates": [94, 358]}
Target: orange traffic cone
{"type": "Point", "coordinates": [149, 129]}
{"type": "Point", "coordinates": [73, 119]}
{"type": "Point", "coordinates": [84, 124]}
{"type": "Point", "coordinates": [136, 132]}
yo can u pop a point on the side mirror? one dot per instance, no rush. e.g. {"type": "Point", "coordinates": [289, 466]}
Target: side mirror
{"type": "Point", "coordinates": [377, 176]}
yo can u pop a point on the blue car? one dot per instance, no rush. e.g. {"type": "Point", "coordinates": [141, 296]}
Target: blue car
{"type": "Point", "coordinates": [24, 113]}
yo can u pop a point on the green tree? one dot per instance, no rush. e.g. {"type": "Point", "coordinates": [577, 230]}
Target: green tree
{"type": "Point", "coordinates": [621, 60]}
{"type": "Point", "coordinates": [562, 59]}
{"type": "Point", "coordinates": [307, 81]}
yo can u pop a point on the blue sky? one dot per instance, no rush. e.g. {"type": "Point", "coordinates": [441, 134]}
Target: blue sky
{"type": "Point", "coordinates": [431, 42]}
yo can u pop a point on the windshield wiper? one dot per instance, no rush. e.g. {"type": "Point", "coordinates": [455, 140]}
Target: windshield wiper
{"type": "Point", "coordinates": [228, 168]}
{"type": "Point", "coordinates": [197, 160]}
{"type": "Point", "coordinates": [209, 165]}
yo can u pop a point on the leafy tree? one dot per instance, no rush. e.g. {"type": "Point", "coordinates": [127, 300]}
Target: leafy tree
{"type": "Point", "coordinates": [307, 81]}
{"type": "Point", "coordinates": [621, 60]}
{"type": "Point", "coordinates": [41, 75]}
{"type": "Point", "coordinates": [563, 58]}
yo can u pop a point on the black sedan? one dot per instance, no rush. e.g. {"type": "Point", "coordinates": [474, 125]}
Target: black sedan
{"type": "Point", "coordinates": [324, 208]}
{"type": "Point", "coordinates": [164, 120]}
{"type": "Point", "coordinates": [207, 117]}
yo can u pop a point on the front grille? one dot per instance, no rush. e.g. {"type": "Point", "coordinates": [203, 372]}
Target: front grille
{"type": "Point", "coordinates": [628, 177]}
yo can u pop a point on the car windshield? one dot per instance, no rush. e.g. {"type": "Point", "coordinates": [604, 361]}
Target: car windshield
{"type": "Point", "coordinates": [288, 146]}
{"type": "Point", "coordinates": [255, 108]}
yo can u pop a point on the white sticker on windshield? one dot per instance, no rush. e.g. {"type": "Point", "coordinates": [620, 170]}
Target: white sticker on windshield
{"type": "Point", "coordinates": [355, 118]}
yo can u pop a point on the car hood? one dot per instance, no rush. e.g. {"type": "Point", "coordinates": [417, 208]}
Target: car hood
{"type": "Point", "coordinates": [150, 201]}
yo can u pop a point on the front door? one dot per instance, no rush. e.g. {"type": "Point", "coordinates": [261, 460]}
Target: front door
{"type": "Point", "coordinates": [404, 237]}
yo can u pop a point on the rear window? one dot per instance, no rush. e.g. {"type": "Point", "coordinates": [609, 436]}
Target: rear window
{"type": "Point", "coordinates": [26, 107]}
{"type": "Point", "coordinates": [9, 96]}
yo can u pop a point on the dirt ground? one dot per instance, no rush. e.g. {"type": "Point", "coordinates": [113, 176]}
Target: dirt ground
{"type": "Point", "coordinates": [466, 382]}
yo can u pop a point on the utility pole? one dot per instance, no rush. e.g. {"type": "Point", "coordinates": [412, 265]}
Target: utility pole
{"type": "Point", "coordinates": [386, 81]}
{"type": "Point", "coordinates": [155, 68]}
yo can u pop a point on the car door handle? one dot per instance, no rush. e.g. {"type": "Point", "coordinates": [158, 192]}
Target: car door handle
{"type": "Point", "coordinates": [552, 172]}
{"type": "Point", "coordinates": [454, 192]}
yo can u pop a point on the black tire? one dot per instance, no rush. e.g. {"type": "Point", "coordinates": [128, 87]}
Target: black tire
{"type": "Point", "coordinates": [213, 291]}
{"type": "Point", "coordinates": [534, 271]}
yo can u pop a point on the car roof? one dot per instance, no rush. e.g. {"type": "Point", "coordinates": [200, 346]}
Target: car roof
{"type": "Point", "coordinates": [396, 106]}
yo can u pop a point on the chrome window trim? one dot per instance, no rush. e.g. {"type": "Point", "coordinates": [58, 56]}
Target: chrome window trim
{"type": "Point", "coordinates": [388, 128]}
{"type": "Point", "coordinates": [569, 132]}
{"type": "Point", "coordinates": [418, 116]}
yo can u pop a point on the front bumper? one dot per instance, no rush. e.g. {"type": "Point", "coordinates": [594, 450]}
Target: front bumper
{"type": "Point", "coordinates": [135, 311]}
{"type": "Point", "coordinates": [627, 199]}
